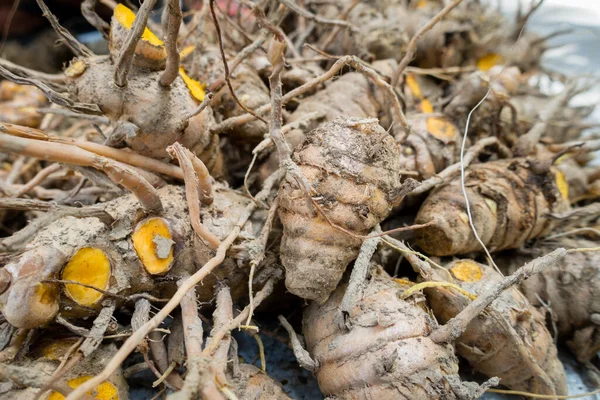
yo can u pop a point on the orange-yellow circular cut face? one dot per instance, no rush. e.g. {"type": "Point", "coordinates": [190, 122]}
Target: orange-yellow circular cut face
{"type": "Point", "coordinates": [562, 184]}
{"type": "Point", "coordinates": [153, 244]}
{"type": "Point", "coordinates": [89, 266]}
{"type": "Point", "coordinates": [104, 391]}
{"type": "Point", "coordinates": [441, 129]}
{"type": "Point", "coordinates": [466, 271]}
{"type": "Point", "coordinates": [489, 61]}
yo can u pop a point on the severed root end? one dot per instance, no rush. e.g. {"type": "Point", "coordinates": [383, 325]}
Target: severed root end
{"type": "Point", "coordinates": [27, 302]}
{"type": "Point", "coordinates": [153, 243]}
{"type": "Point", "coordinates": [89, 266]}
{"type": "Point", "coordinates": [104, 391]}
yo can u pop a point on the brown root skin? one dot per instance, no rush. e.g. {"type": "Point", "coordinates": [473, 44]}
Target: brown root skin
{"type": "Point", "coordinates": [509, 340]}
{"type": "Point", "coordinates": [509, 204]}
{"type": "Point", "coordinates": [349, 95]}
{"type": "Point", "coordinates": [157, 112]}
{"type": "Point", "coordinates": [570, 291]}
{"type": "Point", "coordinates": [386, 353]}
{"type": "Point", "coordinates": [352, 164]}
{"type": "Point", "coordinates": [28, 303]}
{"type": "Point", "coordinates": [51, 249]}
{"type": "Point", "coordinates": [253, 384]}
{"type": "Point", "coordinates": [18, 104]}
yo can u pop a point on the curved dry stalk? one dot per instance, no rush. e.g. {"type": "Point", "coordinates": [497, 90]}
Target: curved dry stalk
{"type": "Point", "coordinates": [88, 10]}
{"type": "Point", "coordinates": [258, 258]}
{"type": "Point", "coordinates": [38, 179]}
{"type": "Point", "coordinates": [55, 81]}
{"type": "Point", "coordinates": [205, 103]}
{"type": "Point", "coordinates": [126, 157]}
{"type": "Point", "coordinates": [58, 152]}
{"type": "Point", "coordinates": [51, 94]}
{"type": "Point", "coordinates": [136, 338]}
{"type": "Point", "coordinates": [222, 315]}
{"type": "Point", "coordinates": [133, 181]}
{"type": "Point", "coordinates": [454, 169]}
{"type": "Point", "coordinates": [126, 56]}
{"type": "Point", "coordinates": [226, 66]}
{"type": "Point", "coordinates": [192, 194]}
{"type": "Point", "coordinates": [358, 277]}
{"type": "Point", "coordinates": [171, 23]}
{"type": "Point", "coordinates": [261, 295]}
{"type": "Point", "coordinates": [72, 43]}
{"type": "Point", "coordinates": [411, 49]}
{"type": "Point", "coordinates": [342, 62]}
{"type": "Point", "coordinates": [204, 178]}
{"type": "Point", "coordinates": [303, 356]}
{"type": "Point", "coordinates": [239, 58]}
{"type": "Point", "coordinates": [192, 325]}
{"type": "Point", "coordinates": [316, 18]}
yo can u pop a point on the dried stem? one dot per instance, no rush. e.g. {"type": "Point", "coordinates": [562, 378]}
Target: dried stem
{"type": "Point", "coordinates": [100, 325]}
{"type": "Point", "coordinates": [316, 18]}
{"type": "Point", "coordinates": [192, 194]}
{"type": "Point", "coordinates": [222, 317]}
{"type": "Point", "coordinates": [127, 157]}
{"type": "Point", "coordinates": [457, 325]}
{"type": "Point", "coordinates": [303, 356]}
{"type": "Point", "coordinates": [261, 295]}
{"type": "Point", "coordinates": [70, 114]}
{"type": "Point", "coordinates": [324, 44]}
{"type": "Point", "coordinates": [239, 58]}
{"type": "Point", "coordinates": [119, 173]}
{"type": "Point", "coordinates": [454, 169]}
{"type": "Point", "coordinates": [172, 22]}
{"type": "Point", "coordinates": [132, 342]}
{"type": "Point", "coordinates": [126, 56]}
{"type": "Point", "coordinates": [88, 10]}
{"type": "Point", "coordinates": [192, 324]}
{"type": "Point", "coordinates": [351, 61]}
{"type": "Point", "coordinates": [226, 66]}
{"type": "Point", "coordinates": [55, 81]}
{"type": "Point", "coordinates": [51, 94]}
{"type": "Point", "coordinates": [205, 103]}
{"type": "Point", "coordinates": [78, 48]}
{"type": "Point", "coordinates": [38, 179]}
{"type": "Point", "coordinates": [411, 49]}
{"type": "Point", "coordinates": [356, 285]}
{"type": "Point", "coordinates": [261, 245]}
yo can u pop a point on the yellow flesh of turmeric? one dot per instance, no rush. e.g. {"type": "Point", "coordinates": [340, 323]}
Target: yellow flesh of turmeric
{"type": "Point", "coordinates": [89, 266]}
{"type": "Point", "coordinates": [104, 391]}
{"type": "Point", "coordinates": [144, 242]}
{"type": "Point", "coordinates": [466, 271]}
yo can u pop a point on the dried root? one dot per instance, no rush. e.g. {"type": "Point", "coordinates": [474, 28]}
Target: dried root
{"type": "Point", "coordinates": [352, 164]}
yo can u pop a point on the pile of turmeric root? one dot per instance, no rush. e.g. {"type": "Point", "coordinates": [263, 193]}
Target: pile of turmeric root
{"type": "Point", "coordinates": [383, 186]}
